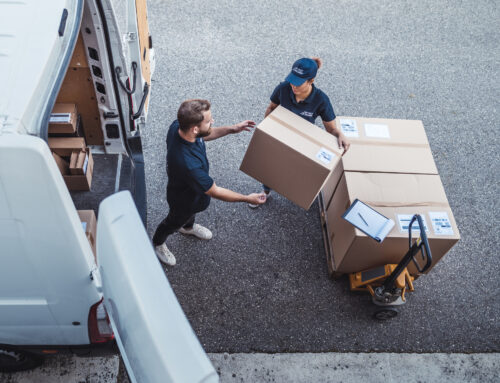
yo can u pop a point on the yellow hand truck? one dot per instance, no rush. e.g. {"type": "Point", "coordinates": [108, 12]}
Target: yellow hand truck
{"type": "Point", "coordinates": [388, 284]}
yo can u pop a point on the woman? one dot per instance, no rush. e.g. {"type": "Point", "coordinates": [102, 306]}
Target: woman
{"type": "Point", "coordinates": [299, 95]}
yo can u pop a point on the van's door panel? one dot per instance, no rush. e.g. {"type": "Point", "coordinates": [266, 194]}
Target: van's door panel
{"type": "Point", "coordinates": [129, 45]}
{"type": "Point", "coordinates": [154, 336]}
{"type": "Point", "coordinates": [45, 259]}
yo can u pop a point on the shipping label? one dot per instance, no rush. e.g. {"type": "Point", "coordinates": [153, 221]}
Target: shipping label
{"type": "Point", "coordinates": [349, 127]}
{"type": "Point", "coordinates": [404, 223]}
{"type": "Point", "coordinates": [60, 117]}
{"type": "Point", "coordinates": [441, 223]}
{"type": "Point", "coordinates": [86, 162]}
{"type": "Point", "coordinates": [377, 131]}
{"type": "Point", "coordinates": [325, 156]}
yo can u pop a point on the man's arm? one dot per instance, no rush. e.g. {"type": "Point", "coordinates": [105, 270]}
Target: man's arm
{"type": "Point", "coordinates": [231, 196]}
{"type": "Point", "coordinates": [270, 108]}
{"type": "Point", "coordinates": [222, 131]}
{"type": "Point", "coordinates": [332, 128]}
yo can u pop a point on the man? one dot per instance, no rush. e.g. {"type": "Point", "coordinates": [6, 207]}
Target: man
{"type": "Point", "coordinates": [190, 187]}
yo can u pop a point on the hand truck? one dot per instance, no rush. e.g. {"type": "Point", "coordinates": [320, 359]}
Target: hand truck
{"type": "Point", "coordinates": [388, 284]}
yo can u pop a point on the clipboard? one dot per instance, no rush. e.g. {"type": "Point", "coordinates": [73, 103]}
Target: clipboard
{"type": "Point", "coordinates": [368, 220]}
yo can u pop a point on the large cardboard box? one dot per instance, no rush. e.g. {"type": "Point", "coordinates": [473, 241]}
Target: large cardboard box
{"type": "Point", "coordinates": [397, 196]}
{"type": "Point", "coordinates": [89, 224]}
{"type": "Point", "coordinates": [63, 119]}
{"type": "Point", "coordinates": [291, 156]}
{"type": "Point", "coordinates": [382, 145]}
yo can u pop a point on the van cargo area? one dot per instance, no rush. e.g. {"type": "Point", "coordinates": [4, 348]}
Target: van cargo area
{"type": "Point", "coordinates": [78, 114]}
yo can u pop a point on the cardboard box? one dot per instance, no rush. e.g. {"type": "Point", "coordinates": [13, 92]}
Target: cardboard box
{"type": "Point", "coordinates": [397, 196]}
{"type": "Point", "coordinates": [82, 182]}
{"type": "Point", "coordinates": [63, 146]}
{"type": "Point", "coordinates": [78, 162]}
{"type": "Point", "coordinates": [62, 164]}
{"type": "Point", "coordinates": [382, 145]}
{"type": "Point", "coordinates": [63, 119]}
{"type": "Point", "coordinates": [89, 224]}
{"type": "Point", "coordinates": [84, 168]}
{"type": "Point", "coordinates": [291, 156]}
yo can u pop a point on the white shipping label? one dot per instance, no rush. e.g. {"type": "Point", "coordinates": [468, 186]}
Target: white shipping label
{"type": "Point", "coordinates": [60, 117]}
{"type": "Point", "coordinates": [325, 156]}
{"type": "Point", "coordinates": [349, 127]}
{"type": "Point", "coordinates": [441, 223]}
{"type": "Point", "coordinates": [85, 163]}
{"type": "Point", "coordinates": [84, 225]}
{"type": "Point", "coordinates": [404, 223]}
{"type": "Point", "coordinates": [377, 131]}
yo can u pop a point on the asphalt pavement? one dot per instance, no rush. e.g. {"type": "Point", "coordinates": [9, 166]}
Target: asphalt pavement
{"type": "Point", "coordinates": [261, 284]}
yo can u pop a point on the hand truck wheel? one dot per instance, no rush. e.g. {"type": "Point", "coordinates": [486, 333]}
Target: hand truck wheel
{"type": "Point", "coordinates": [385, 313]}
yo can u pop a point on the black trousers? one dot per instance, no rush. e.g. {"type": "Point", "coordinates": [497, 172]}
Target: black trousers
{"type": "Point", "coordinates": [176, 219]}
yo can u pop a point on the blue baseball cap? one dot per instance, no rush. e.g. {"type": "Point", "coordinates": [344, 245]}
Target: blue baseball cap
{"type": "Point", "coordinates": [302, 70]}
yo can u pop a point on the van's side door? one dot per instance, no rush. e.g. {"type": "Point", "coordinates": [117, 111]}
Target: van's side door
{"type": "Point", "coordinates": [155, 338]}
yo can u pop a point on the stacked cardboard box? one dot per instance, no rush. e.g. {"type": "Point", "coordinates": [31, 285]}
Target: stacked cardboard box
{"type": "Point", "coordinates": [74, 160]}
{"type": "Point", "coordinates": [63, 119]}
{"type": "Point", "coordinates": [291, 156]}
{"type": "Point", "coordinates": [390, 167]}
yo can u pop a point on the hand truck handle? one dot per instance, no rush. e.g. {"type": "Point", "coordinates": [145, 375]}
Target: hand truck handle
{"type": "Point", "coordinates": [424, 244]}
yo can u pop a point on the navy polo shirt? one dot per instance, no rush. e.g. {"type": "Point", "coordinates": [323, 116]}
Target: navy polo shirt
{"type": "Point", "coordinates": [316, 104]}
{"type": "Point", "coordinates": [187, 170]}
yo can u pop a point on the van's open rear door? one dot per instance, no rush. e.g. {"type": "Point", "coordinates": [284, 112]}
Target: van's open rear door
{"type": "Point", "coordinates": [156, 341]}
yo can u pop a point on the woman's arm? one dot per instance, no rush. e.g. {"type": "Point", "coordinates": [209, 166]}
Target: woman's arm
{"type": "Point", "coordinates": [270, 108]}
{"type": "Point", "coordinates": [332, 128]}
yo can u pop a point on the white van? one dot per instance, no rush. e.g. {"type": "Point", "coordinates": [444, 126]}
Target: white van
{"type": "Point", "coordinates": [62, 287]}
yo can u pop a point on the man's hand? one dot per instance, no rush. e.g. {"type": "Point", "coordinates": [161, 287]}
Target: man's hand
{"type": "Point", "coordinates": [256, 198]}
{"type": "Point", "coordinates": [243, 126]}
{"type": "Point", "coordinates": [343, 143]}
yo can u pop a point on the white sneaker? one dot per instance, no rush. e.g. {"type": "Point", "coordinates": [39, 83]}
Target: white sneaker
{"type": "Point", "coordinates": [165, 255]}
{"type": "Point", "coordinates": [254, 206]}
{"type": "Point", "coordinates": [198, 231]}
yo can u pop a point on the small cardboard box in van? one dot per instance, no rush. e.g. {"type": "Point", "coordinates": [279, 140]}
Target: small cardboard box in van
{"type": "Point", "coordinates": [63, 119]}
{"type": "Point", "coordinates": [89, 224]}
{"type": "Point", "coordinates": [82, 180]}
{"type": "Point", "coordinates": [64, 146]}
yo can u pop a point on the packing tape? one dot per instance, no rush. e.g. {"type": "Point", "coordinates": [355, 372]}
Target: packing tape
{"type": "Point", "coordinates": [302, 134]}
{"type": "Point", "coordinates": [355, 141]}
{"type": "Point", "coordinates": [403, 204]}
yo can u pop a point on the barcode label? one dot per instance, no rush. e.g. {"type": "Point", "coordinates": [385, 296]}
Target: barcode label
{"type": "Point", "coordinates": [404, 223]}
{"type": "Point", "coordinates": [60, 117]}
{"type": "Point", "coordinates": [349, 127]}
{"type": "Point", "coordinates": [441, 223]}
{"type": "Point", "coordinates": [325, 156]}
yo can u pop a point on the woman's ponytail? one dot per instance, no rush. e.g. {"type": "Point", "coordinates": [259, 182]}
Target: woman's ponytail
{"type": "Point", "coordinates": [318, 61]}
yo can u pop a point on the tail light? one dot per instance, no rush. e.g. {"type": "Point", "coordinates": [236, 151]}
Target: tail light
{"type": "Point", "coordinates": [99, 326]}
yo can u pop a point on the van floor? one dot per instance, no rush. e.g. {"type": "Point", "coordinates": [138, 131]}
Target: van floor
{"type": "Point", "coordinates": [112, 173]}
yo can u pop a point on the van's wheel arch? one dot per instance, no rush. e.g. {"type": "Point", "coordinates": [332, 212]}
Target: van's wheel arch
{"type": "Point", "coordinates": [12, 360]}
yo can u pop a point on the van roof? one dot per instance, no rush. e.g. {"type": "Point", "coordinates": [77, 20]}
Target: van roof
{"type": "Point", "coordinates": [31, 56]}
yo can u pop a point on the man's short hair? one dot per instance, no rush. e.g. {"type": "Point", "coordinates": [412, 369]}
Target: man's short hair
{"type": "Point", "coordinates": [190, 113]}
